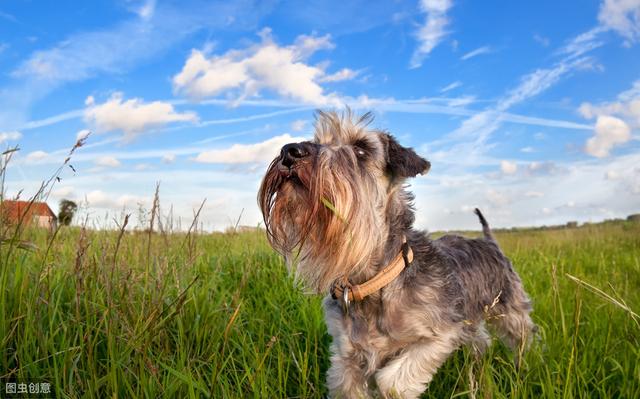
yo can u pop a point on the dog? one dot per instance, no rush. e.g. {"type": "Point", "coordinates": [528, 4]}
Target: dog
{"type": "Point", "coordinates": [397, 303]}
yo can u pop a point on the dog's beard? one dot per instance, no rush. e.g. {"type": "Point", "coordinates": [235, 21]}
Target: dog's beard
{"type": "Point", "coordinates": [324, 217]}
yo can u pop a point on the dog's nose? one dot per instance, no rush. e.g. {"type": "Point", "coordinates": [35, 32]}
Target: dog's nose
{"type": "Point", "coordinates": [291, 153]}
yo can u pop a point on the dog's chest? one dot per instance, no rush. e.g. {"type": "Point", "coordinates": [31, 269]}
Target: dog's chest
{"type": "Point", "coordinates": [371, 335]}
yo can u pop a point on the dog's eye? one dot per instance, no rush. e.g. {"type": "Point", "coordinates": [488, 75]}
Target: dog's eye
{"type": "Point", "coordinates": [361, 148]}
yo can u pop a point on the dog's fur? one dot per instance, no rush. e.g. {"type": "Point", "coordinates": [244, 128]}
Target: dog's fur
{"type": "Point", "coordinates": [338, 210]}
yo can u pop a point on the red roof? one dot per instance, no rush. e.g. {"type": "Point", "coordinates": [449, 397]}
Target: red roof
{"type": "Point", "coordinates": [14, 210]}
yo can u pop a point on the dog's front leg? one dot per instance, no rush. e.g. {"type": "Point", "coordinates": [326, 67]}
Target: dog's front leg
{"type": "Point", "coordinates": [346, 375]}
{"type": "Point", "coordinates": [345, 379]}
{"type": "Point", "coordinates": [408, 375]}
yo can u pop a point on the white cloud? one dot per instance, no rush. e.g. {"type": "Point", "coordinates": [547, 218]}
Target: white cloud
{"type": "Point", "coordinates": [451, 86]}
{"type": "Point", "coordinates": [116, 48]}
{"type": "Point", "coordinates": [540, 80]}
{"type": "Point", "coordinates": [474, 53]}
{"type": "Point", "coordinates": [267, 66]}
{"type": "Point", "coordinates": [612, 175]}
{"type": "Point", "coordinates": [133, 116]}
{"type": "Point", "coordinates": [609, 132]}
{"type": "Point", "coordinates": [36, 156]}
{"type": "Point", "coordinates": [434, 29]}
{"type": "Point", "coordinates": [543, 168]}
{"type": "Point", "coordinates": [142, 166]}
{"type": "Point", "coordinates": [623, 16]}
{"type": "Point", "coordinates": [83, 134]}
{"type": "Point", "coordinates": [169, 158]}
{"type": "Point", "coordinates": [544, 41]}
{"type": "Point", "coordinates": [147, 9]}
{"type": "Point", "coordinates": [497, 198]}
{"type": "Point", "coordinates": [343, 74]}
{"type": "Point", "coordinates": [108, 162]}
{"type": "Point", "coordinates": [298, 125]}
{"type": "Point", "coordinates": [10, 136]}
{"type": "Point", "coordinates": [101, 199]}
{"type": "Point", "coordinates": [262, 152]}
{"type": "Point", "coordinates": [62, 192]}
{"type": "Point", "coordinates": [508, 167]}
{"type": "Point", "coordinates": [627, 107]}
{"type": "Point", "coordinates": [614, 122]}
{"type": "Point", "coordinates": [527, 149]}
{"type": "Point", "coordinates": [577, 183]}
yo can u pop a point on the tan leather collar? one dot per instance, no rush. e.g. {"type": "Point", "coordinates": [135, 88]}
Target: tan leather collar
{"type": "Point", "coordinates": [384, 277]}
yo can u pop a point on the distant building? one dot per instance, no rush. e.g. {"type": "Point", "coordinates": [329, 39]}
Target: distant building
{"type": "Point", "coordinates": [31, 213]}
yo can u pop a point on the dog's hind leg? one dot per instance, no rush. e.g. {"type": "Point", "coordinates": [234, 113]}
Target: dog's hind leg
{"type": "Point", "coordinates": [515, 327]}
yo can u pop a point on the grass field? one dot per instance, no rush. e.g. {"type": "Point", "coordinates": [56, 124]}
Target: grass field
{"type": "Point", "coordinates": [133, 314]}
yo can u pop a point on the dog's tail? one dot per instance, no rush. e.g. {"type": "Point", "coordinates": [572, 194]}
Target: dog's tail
{"type": "Point", "coordinates": [485, 226]}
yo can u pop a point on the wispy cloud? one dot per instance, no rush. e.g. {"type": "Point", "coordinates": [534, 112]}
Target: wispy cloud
{"type": "Point", "coordinates": [474, 53]}
{"type": "Point", "coordinates": [115, 50]}
{"type": "Point", "coordinates": [543, 40]}
{"type": "Point", "coordinates": [451, 86]}
{"type": "Point", "coordinates": [8, 17]}
{"type": "Point", "coordinates": [434, 29]}
{"type": "Point", "coordinates": [471, 137]}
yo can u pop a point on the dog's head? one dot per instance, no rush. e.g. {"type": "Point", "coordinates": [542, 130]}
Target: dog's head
{"type": "Point", "coordinates": [327, 203]}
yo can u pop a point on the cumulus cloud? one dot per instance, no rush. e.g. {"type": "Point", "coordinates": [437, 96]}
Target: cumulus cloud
{"type": "Point", "coordinates": [434, 29]}
{"type": "Point", "coordinates": [610, 132]}
{"type": "Point", "coordinates": [614, 121]}
{"type": "Point", "coordinates": [627, 107]}
{"type": "Point", "coordinates": [508, 167]}
{"type": "Point", "coordinates": [266, 66]}
{"type": "Point", "coordinates": [623, 16]}
{"type": "Point", "coordinates": [132, 116]}
{"type": "Point", "coordinates": [10, 136]}
{"type": "Point", "coordinates": [262, 152]}
{"type": "Point", "coordinates": [108, 162]}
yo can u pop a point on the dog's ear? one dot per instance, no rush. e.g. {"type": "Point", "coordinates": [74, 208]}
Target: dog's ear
{"type": "Point", "coordinates": [403, 162]}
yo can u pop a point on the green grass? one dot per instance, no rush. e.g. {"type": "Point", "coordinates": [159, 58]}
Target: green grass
{"type": "Point", "coordinates": [216, 315]}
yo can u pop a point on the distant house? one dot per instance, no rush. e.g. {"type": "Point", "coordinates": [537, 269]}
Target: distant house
{"type": "Point", "coordinates": [31, 213]}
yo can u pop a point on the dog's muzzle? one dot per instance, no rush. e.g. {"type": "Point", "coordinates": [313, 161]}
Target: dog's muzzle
{"type": "Point", "coordinates": [292, 155]}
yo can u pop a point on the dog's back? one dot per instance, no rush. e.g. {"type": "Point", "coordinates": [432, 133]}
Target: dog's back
{"type": "Point", "coordinates": [492, 291]}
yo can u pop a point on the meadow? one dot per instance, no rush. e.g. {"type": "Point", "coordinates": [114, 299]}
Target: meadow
{"type": "Point", "coordinates": [154, 313]}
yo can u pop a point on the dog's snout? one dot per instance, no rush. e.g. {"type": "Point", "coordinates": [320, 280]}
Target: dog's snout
{"type": "Point", "coordinates": [291, 153]}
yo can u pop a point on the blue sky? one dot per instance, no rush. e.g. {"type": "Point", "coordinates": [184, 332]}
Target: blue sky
{"type": "Point", "coordinates": [529, 110]}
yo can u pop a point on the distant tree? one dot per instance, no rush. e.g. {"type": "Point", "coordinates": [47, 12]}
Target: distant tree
{"type": "Point", "coordinates": [68, 208]}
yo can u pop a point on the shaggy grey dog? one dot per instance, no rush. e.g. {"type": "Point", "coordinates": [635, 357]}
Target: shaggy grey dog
{"type": "Point", "coordinates": [397, 302]}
